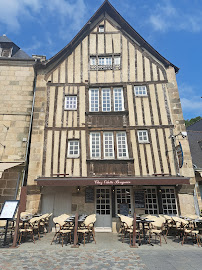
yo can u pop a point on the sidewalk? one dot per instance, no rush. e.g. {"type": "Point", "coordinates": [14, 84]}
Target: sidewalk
{"type": "Point", "coordinates": [108, 253]}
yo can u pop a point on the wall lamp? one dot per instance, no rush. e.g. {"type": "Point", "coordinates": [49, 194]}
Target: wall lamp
{"type": "Point", "coordinates": [78, 188]}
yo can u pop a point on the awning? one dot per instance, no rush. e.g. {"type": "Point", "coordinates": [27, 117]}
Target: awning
{"type": "Point", "coordinates": [7, 165]}
{"type": "Point", "coordinates": [112, 181]}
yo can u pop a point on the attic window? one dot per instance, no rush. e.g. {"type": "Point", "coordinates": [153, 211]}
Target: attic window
{"type": "Point", "coordinates": [5, 52]}
{"type": "Point", "coordinates": [101, 28]}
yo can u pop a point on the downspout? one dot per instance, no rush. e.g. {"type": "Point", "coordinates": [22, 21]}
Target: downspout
{"type": "Point", "coordinates": [25, 172]}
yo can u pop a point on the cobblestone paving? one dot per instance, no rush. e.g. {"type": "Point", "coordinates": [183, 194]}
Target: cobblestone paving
{"type": "Point", "coordinates": [69, 259]}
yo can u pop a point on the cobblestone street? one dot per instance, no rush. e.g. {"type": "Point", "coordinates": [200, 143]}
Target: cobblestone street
{"type": "Point", "coordinates": [108, 253]}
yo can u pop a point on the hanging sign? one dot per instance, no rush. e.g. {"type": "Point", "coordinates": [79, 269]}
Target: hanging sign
{"type": "Point", "coordinates": [179, 153]}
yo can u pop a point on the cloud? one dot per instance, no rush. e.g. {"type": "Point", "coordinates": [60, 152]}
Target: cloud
{"type": "Point", "coordinates": [165, 17]}
{"type": "Point", "coordinates": [191, 101]}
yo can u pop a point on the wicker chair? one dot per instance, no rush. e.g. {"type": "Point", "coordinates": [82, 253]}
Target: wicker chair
{"type": "Point", "coordinates": [87, 228]}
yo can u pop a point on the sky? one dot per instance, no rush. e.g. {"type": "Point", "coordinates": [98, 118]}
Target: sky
{"type": "Point", "coordinates": [173, 28]}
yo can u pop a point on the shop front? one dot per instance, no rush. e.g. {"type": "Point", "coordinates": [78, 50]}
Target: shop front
{"type": "Point", "coordinates": [111, 196]}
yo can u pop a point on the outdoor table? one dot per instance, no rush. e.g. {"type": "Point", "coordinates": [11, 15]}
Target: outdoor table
{"type": "Point", "coordinates": [143, 221]}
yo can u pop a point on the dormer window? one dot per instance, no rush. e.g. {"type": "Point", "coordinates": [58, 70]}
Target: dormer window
{"type": "Point", "coordinates": [5, 52]}
{"type": "Point", "coordinates": [101, 28]}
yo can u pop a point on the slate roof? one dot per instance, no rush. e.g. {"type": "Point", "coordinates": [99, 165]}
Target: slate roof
{"type": "Point", "coordinates": [17, 53]}
{"type": "Point", "coordinates": [195, 142]}
{"type": "Point", "coordinates": [105, 9]}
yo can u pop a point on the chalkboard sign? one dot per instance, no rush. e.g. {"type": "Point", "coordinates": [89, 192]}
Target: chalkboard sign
{"type": "Point", "coordinates": [89, 195]}
{"type": "Point", "coordinates": [124, 209]}
{"type": "Point", "coordinates": [139, 199]}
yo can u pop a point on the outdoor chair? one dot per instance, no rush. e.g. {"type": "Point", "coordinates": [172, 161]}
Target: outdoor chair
{"type": "Point", "coordinates": [191, 230]}
{"type": "Point", "coordinates": [62, 229]}
{"type": "Point", "coordinates": [128, 228]}
{"type": "Point", "coordinates": [29, 228]}
{"type": "Point", "coordinates": [157, 229]}
{"type": "Point", "coordinates": [87, 228]}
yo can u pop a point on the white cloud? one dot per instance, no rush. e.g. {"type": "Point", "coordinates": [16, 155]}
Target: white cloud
{"type": "Point", "coordinates": [165, 16]}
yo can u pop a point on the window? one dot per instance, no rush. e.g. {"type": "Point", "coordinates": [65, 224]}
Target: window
{"type": "Point", "coordinates": [71, 102]}
{"type": "Point", "coordinates": [95, 145]}
{"type": "Point", "coordinates": [151, 206]}
{"type": "Point", "coordinates": [108, 145]}
{"type": "Point", "coordinates": [73, 148]}
{"type": "Point", "coordinates": [140, 90]}
{"type": "Point", "coordinates": [93, 61]}
{"type": "Point", "coordinates": [94, 100]}
{"type": "Point", "coordinates": [117, 60]}
{"type": "Point", "coordinates": [122, 149]}
{"type": "Point", "coordinates": [101, 28]}
{"type": "Point", "coordinates": [168, 201]}
{"type": "Point", "coordinates": [123, 195]}
{"type": "Point", "coordinates": [104, 61]}
{"type": "Point", "coordinates": [106, 100]}
{"type": "Point", "coordinates": [118, 99]}
{"type": "Point", "coordinates": [143, 136]}
{"type": "Point", "coordinates": [5, 52]}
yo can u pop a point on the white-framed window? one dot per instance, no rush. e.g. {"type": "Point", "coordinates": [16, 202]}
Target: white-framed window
{"type": "Point", "coordinates": [95, 145]}
{"type": "Point", "coordinates": [70, 102]}
{"type": "Point", "coordinates": [101, 28]}
{"type": "Point", "coordinates": [143, 136]}
{"type": "Point", "coordinates": [169, 203]}
{"type": "Point", "coordinates": [140, 90]}
{"type": "Point", "coordinates": [94, 100]}
{"type": "Point", "coordinates": [117, 60]}
{"type": "Point", "coordinates": [93, 61]}
{"type": "Point", "coordinates": [118, 99]}
{"type": "Point", "coordinates": [122, 147]}
{"type": "Point", "coordinates": [151, 206]}
{"type": "Point", "coordinates": [108, 143]}
{"type": "Point", "coordinates": [106, 100]}
{"type": "Point", "coordinates": [73, 148]}
{"type": "Point", "coordinates": [105, 61]}
{"type": "Point", "coordinates": [123, 195]}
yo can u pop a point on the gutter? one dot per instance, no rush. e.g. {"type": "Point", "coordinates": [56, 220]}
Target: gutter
{"type": "Point", "coordinates": [25, 173]}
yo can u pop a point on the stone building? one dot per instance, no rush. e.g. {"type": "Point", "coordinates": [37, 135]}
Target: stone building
{"type": "Point", "coordinates": [107, 119]}
{"type": "Point", "coordinates": [195, 142]}
{"type": "Point", "coordinates": [16, 89]}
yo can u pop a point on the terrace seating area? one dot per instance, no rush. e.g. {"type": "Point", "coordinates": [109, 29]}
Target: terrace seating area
{"type": "Point", "coordinates": [158, 227]}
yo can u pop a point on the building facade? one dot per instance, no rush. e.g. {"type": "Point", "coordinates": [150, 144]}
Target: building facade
{"type": "Point", "coordinates": [16, 88]}
{"type": "Point", "coordinates": [107, 118]}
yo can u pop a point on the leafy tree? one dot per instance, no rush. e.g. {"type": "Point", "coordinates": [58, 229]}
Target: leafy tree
{"type": "Point", "coordinates": [192, 121]}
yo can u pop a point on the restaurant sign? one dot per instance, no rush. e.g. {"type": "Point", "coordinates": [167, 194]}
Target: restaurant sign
{"type": "Point", "coordinates": [112, 182]}
{"type": "Point", "coordinates": [179, 152]}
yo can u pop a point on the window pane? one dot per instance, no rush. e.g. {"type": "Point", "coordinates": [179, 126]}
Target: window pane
{"type": "Point", "coordinates": [122, 149]}
{"type": "Point", "coordinates": [95, 144]}
{"type": "Point", "coordinates": [94, 100]}
{"type": "Point", "coordinates": [106, 100]}
{"type": "Point", "coordinates": [108, 145]}
{"type": "Point", "coordinates": [71, 102]}
{"type": "Point", "coordinates": [73, 148]}
{"type": "Point", "coordinates": [143, 136]}
{"type": "Point", "coordinates": [118, 99]}
{"type": "Point", "coordinates": [140, 90]}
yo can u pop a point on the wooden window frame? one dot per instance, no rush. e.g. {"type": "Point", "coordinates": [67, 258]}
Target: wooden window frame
{"type": "Point", "coordinates": [104, 149]}
{"type": "Point", "coordinates": [139, 136]}
{"type": "Point", "coordinates": [90, 103]}
{"type": "Point", "coordinates": [74, 148]}
{"type": "Point", "coordinates": [91, 156]}
{"type": "Point", "coordinates": [103, 89]}
{"type": "Point", "coordinates": [117, 145]}
{"type": "Point", "coordinates": [122, 99]}
{"type": "Point", "coordinates": [65, 105]}
{"type": "Point", "coordinates": [138, 88]}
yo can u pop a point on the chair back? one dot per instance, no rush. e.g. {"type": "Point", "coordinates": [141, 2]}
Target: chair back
{"type": "Point", "coordinates": [127, 220]}
{"type": "Point", "coordinates": [90, 219]}
{"type": "Point", "coordinates": [2, 223]}
{"type": "Point", "coordinates": [158, 223]}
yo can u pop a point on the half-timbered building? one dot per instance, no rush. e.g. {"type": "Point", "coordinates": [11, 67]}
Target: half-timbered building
{"type": "Point", "coordinates": [107, 119]}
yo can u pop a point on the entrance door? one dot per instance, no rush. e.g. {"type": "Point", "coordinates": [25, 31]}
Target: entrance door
{"type": "Point", "coordinates": [103, 209]}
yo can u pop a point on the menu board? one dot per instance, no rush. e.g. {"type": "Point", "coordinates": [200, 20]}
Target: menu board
{"type": "Point", "coordinates": [89, 195]}
{"type": "Point", "coordinates": [139, 199]}
{"type": "Point", "coordinates": [124, 209]}
{"type": "Point", "coordinates": [9, 209]}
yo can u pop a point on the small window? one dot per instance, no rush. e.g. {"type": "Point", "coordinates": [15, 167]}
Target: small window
{"type": "Point", "coordinates": [106, 100]}
{"type": "Point", "coordinates": [73, 149]}
{"type": "Point", "coordinates": [122, 149]}
{"type": "Point", "coordinates": [143, 136]}
{"type": "Point", "coordinates": [95, 145]}
{"type": "Point", "coordinates": [93, 61]}
{"type": "Point", "coordinates": [140, 90]}
{"type": "Point", "coordinates": [117, 60]}
{"type": "Point", "coordinates": [71, 103]}
{"type": "Point", "coordinates": [108, 145]}
{"type": "Point", "coordinates": [118, 99]}
{"type": "Point", "coordinates": [94, 100]}
{"type": "Point", "coordinates": [101, 28]}
{"type": "Point", "coordinates": [105, 61]}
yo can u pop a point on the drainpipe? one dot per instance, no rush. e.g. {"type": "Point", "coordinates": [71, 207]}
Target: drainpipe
{"type": "Point", "coordinates": [25, 172]}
